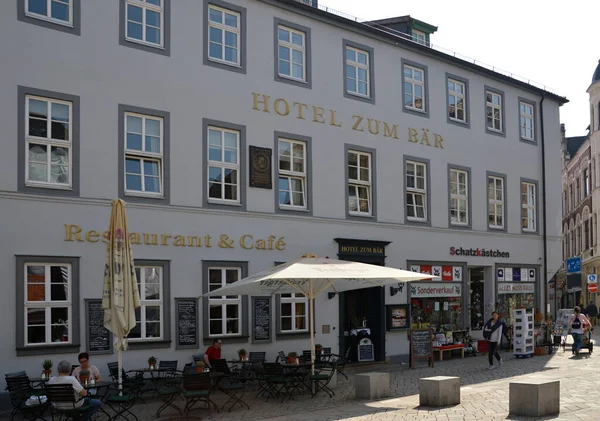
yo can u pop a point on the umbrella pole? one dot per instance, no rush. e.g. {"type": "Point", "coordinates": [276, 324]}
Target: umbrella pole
{"type": "Point", "coordinates": [120, 368]}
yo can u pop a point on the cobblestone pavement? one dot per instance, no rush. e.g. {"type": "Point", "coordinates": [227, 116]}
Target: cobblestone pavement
{"type": "Point", "coordinates": [484, 393]}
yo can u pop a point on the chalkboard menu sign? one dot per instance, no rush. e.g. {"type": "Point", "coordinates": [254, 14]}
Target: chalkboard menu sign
{"type": "Point", "coordinates": [261, 319]}
{"type": "Point", "coordinates": [99, 338]}
{"type": "Point", "coordinates": [186, 316]}
{"type": "Point", "coordinates": [421, 346]}
{"type": "Point", "coordinates": [365, 350]}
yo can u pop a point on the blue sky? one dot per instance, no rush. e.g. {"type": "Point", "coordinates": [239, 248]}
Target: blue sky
{"type": "Point", "coordinates": [557, 47]}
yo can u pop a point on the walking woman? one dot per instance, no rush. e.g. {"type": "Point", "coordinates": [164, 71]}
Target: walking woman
{"type": "Point", "coordinates": [577, 323]}
{"type": "Point", "coordinates": [492, 332]}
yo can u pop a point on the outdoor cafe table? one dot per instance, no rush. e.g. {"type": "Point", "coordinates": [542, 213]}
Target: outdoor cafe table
{"type": "Point", "coordinates": [153, 379]}
{"type": "Point", "coordinates": [300, 370]}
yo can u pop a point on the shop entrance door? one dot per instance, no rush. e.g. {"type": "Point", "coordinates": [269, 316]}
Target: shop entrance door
{"type": "Point", "coordinates": [476, 298]}
{"type": "Point", "coordinates": [363, 304]}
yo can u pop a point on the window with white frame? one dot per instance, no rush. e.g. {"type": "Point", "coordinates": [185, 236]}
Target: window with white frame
{"type": "Point", "coordinates": [494, 111]}
{"type": "Point", "coordinates": [293, 313]}
{"type": "Point", "coordinates": [359, 183]}
{"type": "Point", "coordinates": [224, 35]}
{"type": "Point", "coordinates": [149, 316]}
{"type": "Point", "coordinates": [528, 206]}
{"type": "Point", "coordinates": [456, 101]}
{"type": "Point", "coordinates": [225, 312]}
{"type": "Point", "coordinates": [414, 88]}
{"type": "Point", "coordinates": [49, 138]}
{"type": "Point", "coordinates": [292, 173]}
{"type": "Point", "coordinates": [144, 162]}
{"type": "Point", "coordinates": [357, 72]}
{"type": "Point", "coordinates": [416, 191]}
{"type": "Point", "coordinates": [56, 11]}
{"type": "Point", "coordinates": [223, 165]}
{"type": "Point", "coordinates": [586, 182]}
{"type": "Point", "coordinates": [48, 317]}
{"type": "Point", "coordinates": [419, 37]}
{"type": "Point", "coordinates": [527, 130]}
{"type": "Point", "coordinates": [145, 21]}
{"type": "Point", "coordinates": [291, 53]}
{"type": "Point", "coordinates": [459, 197]}
{"type": "Point", "coordinates": [496, 202]}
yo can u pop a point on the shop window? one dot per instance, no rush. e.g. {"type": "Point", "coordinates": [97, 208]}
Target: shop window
{"type": "Point", "coordinates": [441, 313]}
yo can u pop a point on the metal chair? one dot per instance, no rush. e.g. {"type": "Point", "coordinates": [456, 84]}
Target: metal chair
{"type": "Point", "coordinates": [341, 362]}
{"type": "Point", "coordinates": [168, 389]}
{"type": "Point", "coordinates": [121, 402]}
{"type": "Point", "coordinates": [321, 380]}
{"type": "Point", "coordinates": [20, 391]}
{"type": "Point", "coordinates": [197, 388]}
{"type": "Point", "coordinates": [65, 401]}
{"type": "Point", "coordinates": [170, 366]}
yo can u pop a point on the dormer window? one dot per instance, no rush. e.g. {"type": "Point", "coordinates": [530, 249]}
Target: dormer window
{"type": "Point", "coordinates": [419, 37]}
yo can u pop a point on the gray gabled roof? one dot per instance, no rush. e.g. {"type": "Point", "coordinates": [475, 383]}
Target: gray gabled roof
{"type": "Point", "coordinates": [574, 143]}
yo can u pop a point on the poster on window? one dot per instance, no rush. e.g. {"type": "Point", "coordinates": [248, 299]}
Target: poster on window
{"type": "Point", "coordinates": [440, 273]}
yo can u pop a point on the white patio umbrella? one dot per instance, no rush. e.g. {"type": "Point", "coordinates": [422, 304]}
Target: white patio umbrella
{"type": "Point", "coordinates": [120, 297]}
{"type": "Point", "coordinates": [312, 276]}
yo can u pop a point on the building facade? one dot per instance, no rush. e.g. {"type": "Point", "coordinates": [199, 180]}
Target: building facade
{"type": "Point", "coordinates": [237, 148]}
{"type": "Point", "coordinates": [580, 182]}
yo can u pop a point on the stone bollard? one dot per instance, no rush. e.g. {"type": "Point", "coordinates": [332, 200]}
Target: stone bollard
{"type": "Point", "coordinates": [372, 385]}
{"type": "Point", "coordinates": [534, 397]}
{"type": "Point", "coordinates": [439, 391]}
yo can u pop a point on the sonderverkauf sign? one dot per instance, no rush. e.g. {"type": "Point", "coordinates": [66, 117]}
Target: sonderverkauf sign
{"type": "Point", "coordinates": [424, 290]}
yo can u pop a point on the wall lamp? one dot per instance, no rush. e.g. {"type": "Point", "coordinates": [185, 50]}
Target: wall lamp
{"type": "Point", "coordinates": [330, 295]}
{"type": "Point", "coordinates": [396, 290]}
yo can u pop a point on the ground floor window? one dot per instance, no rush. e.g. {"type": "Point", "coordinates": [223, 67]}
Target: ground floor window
{"type": "Point", "coordinates": [440, 313]}
{"type": "Point", "coordinates": [508, 302]}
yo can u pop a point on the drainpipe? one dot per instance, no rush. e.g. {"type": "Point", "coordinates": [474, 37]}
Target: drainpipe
{"type": "Point", "coordinates": [544, 219]}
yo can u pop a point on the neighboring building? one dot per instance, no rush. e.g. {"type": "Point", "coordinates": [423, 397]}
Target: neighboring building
{"type": "Point", "coordinates": [237, 148]}
{"type": "Point", "coordinates": [580, 186]}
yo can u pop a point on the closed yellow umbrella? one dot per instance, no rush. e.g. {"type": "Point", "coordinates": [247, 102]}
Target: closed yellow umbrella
{"type": "Point", "coordinates": [120, 297]}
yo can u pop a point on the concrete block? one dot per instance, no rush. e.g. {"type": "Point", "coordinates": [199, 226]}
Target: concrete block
{"type": "Point", "coordinates": [534, 397]}
{"type": "Point", "coordinates": [439, 391]}
{"type": "Point", "coordinates": [372, 385]}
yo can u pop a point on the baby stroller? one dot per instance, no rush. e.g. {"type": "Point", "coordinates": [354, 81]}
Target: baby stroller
{"type": "Point", "coordinates": [587, 342]}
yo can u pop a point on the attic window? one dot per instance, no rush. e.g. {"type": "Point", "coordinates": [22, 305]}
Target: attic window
{"type": "Point", "coordinates": [419, 37]}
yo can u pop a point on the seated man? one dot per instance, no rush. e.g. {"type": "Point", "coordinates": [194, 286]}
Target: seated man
{"type": "Point", "coordinates": [64, 368]}
{"type": "Point", "coordinates": [84, 360]}
{"type": "Point", "coordinates": [213, 352]}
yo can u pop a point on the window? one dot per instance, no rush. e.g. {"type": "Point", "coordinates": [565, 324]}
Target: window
{"type": "Point", "coordinates": [224, 35]}
{"type": "Point", "coordinates": [293, 313]}
{"type": "Point", "coordinates": [528, 206]}
{"type": "Point", "coordinates": [586, 183]}
{"type": "Point", "coordinates": [357, 72]}
{"type": "Point", "coordinates": [416, 191]}
{"type": "Point", "coordinates": [223, 165]}
{"type": "Point", "coordinates": [48, 142]}
{"type": "Point", "coordinates": [55, 11]}
{"type": "Point", "coordinates": [414, 88]}
{"type": "Point", "coordinates": [565, 203]}
{"type": "Point", "coordinates": [577, 192]}
{"type": "Point", "coordinates": [496, 202]}
{"type": "Point", "coordinates": [149, 316]}
{"type": "Point", "coordinates": [292, 173]}
{"type": "Point", "coordinates": [291, 53]}
{"type": "Point", "coordinates": [459, 197]}
{"type": "Point", "coordinates": [359, 183]}
{"type": "Point", "coordinates": [225, 312]}
{"type": "Point", "coordinates": [526, 111]}
{"type": "Point", "coordinates": [586, 229]}
{"type": "Point", "coordinates": [144, 22]}
{"type": "Point", "coordinates": [456, 101]}
{"type": "Point", "coordinates": [572, 194]}
{"type": "Point", "coordinates": [48, 298]}
{"type": "Point", "coordinates": [143, 154]}
{"type": "Point", "coordinates": [419, 37]}
{"type": "Point", "coordinates": [494, 111]}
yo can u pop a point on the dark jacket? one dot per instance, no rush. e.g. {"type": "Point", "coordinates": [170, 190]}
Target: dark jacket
{"type": "Point", "coordinates": [591, 310]}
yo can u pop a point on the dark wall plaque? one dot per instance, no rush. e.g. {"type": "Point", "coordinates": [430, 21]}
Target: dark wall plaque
{"type": "Point", "coordinates": [186, 316]}
{"type": "Point", "coordinates": [261, 319]}
{"type": "Point", "coordinates": [261, 174]}
{"type": "Point", "coordinates": [99, 338]}
{"type": "Point", "coordinates": [421, 346]}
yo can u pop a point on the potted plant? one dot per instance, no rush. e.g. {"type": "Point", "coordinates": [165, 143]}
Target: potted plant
{"type": "Point", "coordinates": [199, 366]}
{"type": "Point", "coordinates": [47, 366]}
{"type": "Point", "coordinates": [292, 357]}
{"type": "Point", "coordinates": [152, 362]}
{"type": "Point", "coordinates": [318, 348]}
{"type": "Point", "coordinates": [242, 354]}
{"type": "Point", "coordinates": [84, 376]}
